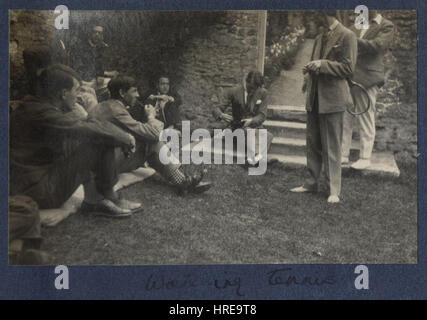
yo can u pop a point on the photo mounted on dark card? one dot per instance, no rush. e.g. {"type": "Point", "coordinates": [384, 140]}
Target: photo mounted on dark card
{"type": "Point", "coordinates": [273, 145]}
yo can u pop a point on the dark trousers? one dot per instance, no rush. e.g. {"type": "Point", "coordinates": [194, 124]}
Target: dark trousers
{"type": "Point", "coordinates": [145, 152]}
{"type": "Point", "coordinates": [87, 161]}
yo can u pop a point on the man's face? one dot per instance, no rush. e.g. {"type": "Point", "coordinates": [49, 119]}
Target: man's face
{"type": "Point", "coordinates": [249, 86]}
{"type": "Point", "coordinates": [97, 34]}
{"type": "Point", "coordinates": [164, 85]}
{"type": "Point", "coordinates": [69, 97]}
{"type": "Point", "coordinates": [130, 97]}
{"type": "Point", "coordinates": [324, 20]}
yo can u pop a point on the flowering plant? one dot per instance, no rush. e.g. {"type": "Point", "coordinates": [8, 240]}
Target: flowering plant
{"type": "Point", "coordinates": [281, 54]}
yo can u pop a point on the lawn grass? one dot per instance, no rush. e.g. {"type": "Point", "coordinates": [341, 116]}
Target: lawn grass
{"type": "Point", "coordinates": [250, 220]}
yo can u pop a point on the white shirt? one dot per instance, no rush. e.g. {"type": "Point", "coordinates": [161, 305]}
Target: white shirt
{"type": "Point", "coordinates": [334, 25]}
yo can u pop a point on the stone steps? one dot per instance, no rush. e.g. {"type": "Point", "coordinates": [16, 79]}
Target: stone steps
{"type": "Point", "coordinates": [288, 129]}
{"type": "Point", "coordinates": [287, 113]}
{"type": "Point", "coordinates": [296, 146]}
{"type": "Point", "coordinates": [288, 125]}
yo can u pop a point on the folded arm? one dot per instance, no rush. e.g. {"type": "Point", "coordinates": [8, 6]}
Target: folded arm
{"type": "Point", "coordinates": [380, 44]}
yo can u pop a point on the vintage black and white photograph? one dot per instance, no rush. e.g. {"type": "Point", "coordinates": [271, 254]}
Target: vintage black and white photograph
{"type": "Point", "coordinates": [212, 137]}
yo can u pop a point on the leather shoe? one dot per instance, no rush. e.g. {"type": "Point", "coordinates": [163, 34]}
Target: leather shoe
{"type": "Point", "coordinates": [201, 187]}
{"type": "Point", "coordinates": [105, 208]}
{"type": "Point", "coordinates": [129, 205]}
{"type": "Point", "coordinates": [302, 189]}
{"type": "Point", "coordinates": [194, 184]}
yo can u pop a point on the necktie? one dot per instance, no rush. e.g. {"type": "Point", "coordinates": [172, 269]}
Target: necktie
{"type": "Point", "coordinates": [324, 42]}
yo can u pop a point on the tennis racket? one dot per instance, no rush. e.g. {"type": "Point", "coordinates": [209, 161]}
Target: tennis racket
{"type": "Point", "coordinates": [356, 109]}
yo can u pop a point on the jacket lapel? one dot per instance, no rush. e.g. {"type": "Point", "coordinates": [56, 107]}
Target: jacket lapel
{"type": "Point", "coordinates": [332, 39]}
{"type": "Point", "coordinates": [316, 49]}
{"type": "Point", "coordinates": [251, 101]}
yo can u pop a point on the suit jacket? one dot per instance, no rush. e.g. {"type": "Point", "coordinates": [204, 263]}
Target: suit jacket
{"type": "Point", "coordinates": [256, 106]}
{"type": "Point", "coordinates": [371, 49]}
{"type": "Point", "coordinates": [337, 64]}
{"type": "Point", "coordinates": [115, 112]}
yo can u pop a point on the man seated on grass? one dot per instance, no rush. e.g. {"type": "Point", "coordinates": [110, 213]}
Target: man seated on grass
{"type": "Point", "coordinates": [249, 110]}
{"type": "Point", "coordinates": [53, 151]}
{"type": "Point", "coordinates": [124, 95]}
{"type": "Point", "coordinates": [166, 104]}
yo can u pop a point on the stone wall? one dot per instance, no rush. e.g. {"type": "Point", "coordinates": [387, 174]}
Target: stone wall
{"type": "Point", "coordinates": [203, 52]}
{"type": "Point", "coordinates": [27, 27]}
{"type": "Point", "coordinates": [405, 52]}
{"type": "Point", "coordinates": [215, 61]}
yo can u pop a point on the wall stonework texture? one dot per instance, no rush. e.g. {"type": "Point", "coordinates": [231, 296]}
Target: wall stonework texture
{"type": "Point", "coordinates": [203, 52]}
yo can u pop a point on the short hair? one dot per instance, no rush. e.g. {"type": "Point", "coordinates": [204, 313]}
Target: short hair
{"type": "Point", "coordinates": [56, 78]}
{"type": "Point", "coordinates": [255, 78]}
{"type": "Point", "coordinates": [120, 83]}
{"type": "Point", "coordinates": [163, 76]}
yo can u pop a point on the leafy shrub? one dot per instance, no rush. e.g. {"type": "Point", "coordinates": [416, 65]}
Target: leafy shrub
{"type": "Point", "coordinates": [281, 54]}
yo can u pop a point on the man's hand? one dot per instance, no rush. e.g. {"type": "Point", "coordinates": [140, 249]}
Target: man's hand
{"type": "Point", "coordinates": [111, 74]}
{"type": "Point", "coordinates": [246, 122]}
{"type": "Point", "coordinates": [226, 117]}
{"type": "Point", "coordinates": [150, 112]}
{"type": "Point", "coordinates": [165, 97]}
{"type": "Point", "coordinates": [131, 147]}
{"type": "Point", "coordinates": [312, 66]}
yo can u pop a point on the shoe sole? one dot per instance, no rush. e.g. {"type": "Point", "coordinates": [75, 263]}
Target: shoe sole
{"type": "Point", "coordinates": [141, 208]}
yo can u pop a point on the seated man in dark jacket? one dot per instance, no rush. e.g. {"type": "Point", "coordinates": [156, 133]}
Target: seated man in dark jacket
{"type": "Point", "coordinates": [166, 105]}
{"type": "Point", "coordinates": [124, 95]}
{"type": "Point", "coordinates": [249, 110]}
{"type": "Point", "coordinates": [53, 151]}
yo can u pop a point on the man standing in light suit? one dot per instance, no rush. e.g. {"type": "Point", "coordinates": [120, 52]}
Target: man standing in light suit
{"type": "Point", "coordinates": [373, 43]}
{"type": "Point", "coordinates": [328, 96]}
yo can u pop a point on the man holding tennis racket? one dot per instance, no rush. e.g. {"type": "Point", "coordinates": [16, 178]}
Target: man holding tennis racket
{"type": "Point", "coordinates": [373, 43]}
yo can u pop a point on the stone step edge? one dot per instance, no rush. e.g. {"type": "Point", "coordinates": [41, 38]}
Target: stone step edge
{"type": "Point", "coordinates": [285, 124]}
{"type": "Point", "coordinates": [299, 109]}
{"type": "Point", "coordinates": [296, 142]}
